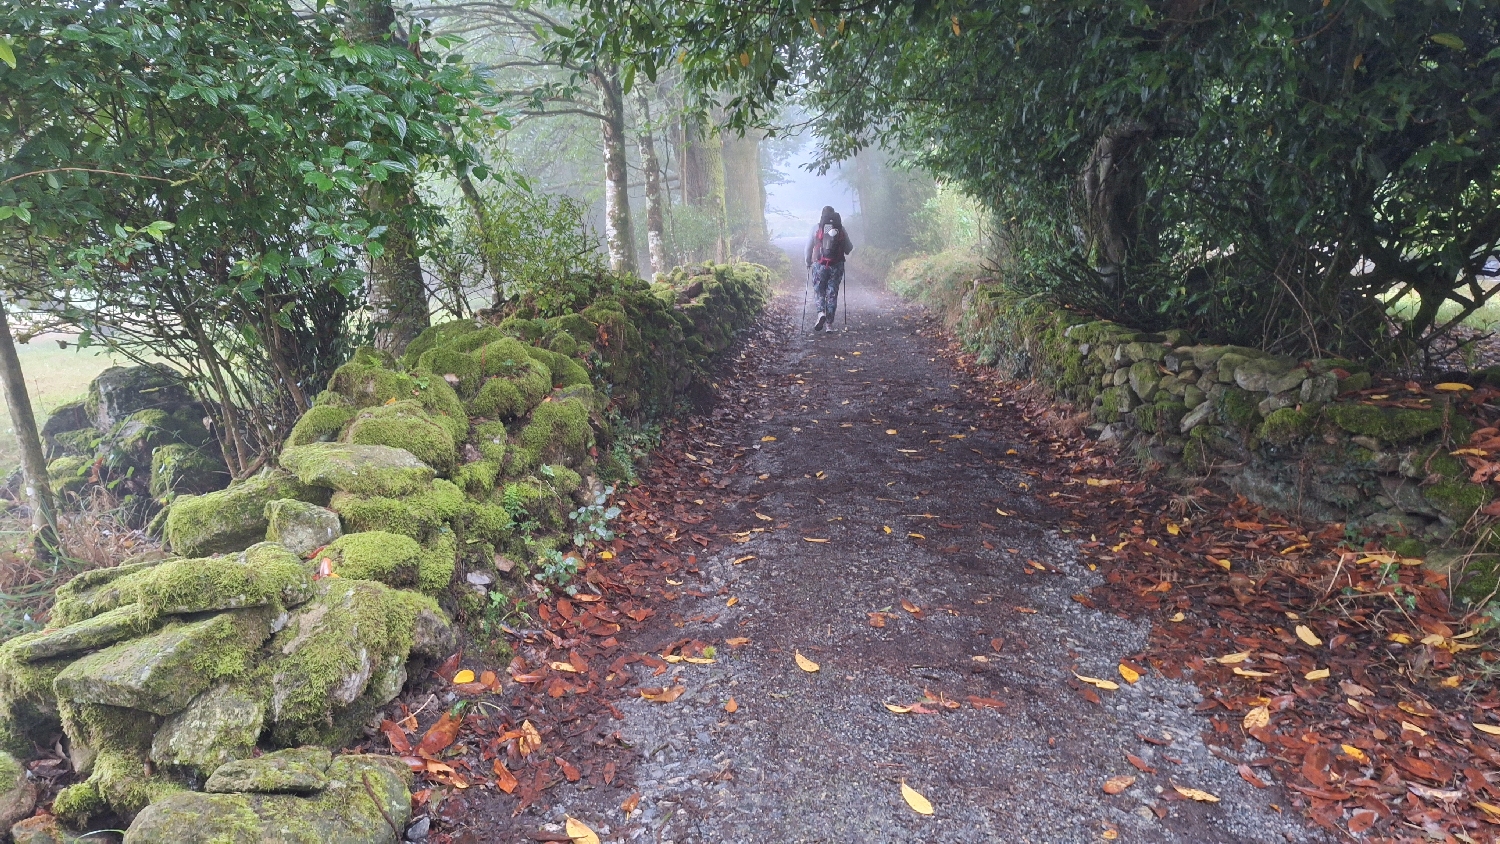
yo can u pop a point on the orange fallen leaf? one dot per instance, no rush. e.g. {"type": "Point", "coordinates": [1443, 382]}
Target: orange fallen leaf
{"type": "Point", "coordinates": [804, 663]}
{"type": "Point", "coordinates": [530, 739]}
{"type": "Point", "coordinates": [666, 695]}
{"type": "Point", "coordinates": [1196, 794]}
{"type": "Point", "coordinates": [731, 706]}
{"type": "Point", "coordinates": [439, 735]}
{"type": "Point", "coordinates": [1115, 785]}
{"type": "Point", "coordinates": [504, 779]}
{"type": "Point", "coordinates": [630, 803]}
{"type": "Point", "coordinates": [737, 641]}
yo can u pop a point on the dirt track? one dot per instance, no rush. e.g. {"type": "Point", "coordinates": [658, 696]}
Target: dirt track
{"type": "Point", "coordinates": [866, 438]}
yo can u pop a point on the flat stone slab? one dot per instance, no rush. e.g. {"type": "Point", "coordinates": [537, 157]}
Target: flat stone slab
{"type": "Point", "coordinates": [219, 726]}
{"type": "Point", "coordinates": [103, 629]}
{"type": "Point", "coordinates": [162, 673]}
{"type": "Point", "coordinates": [300, 770]}
{"type": "Point", "coordinates": [379, 470]}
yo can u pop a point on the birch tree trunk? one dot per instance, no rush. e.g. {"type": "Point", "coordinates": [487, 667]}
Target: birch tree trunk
{"type": "Point", "coordinates": [703, 179]}
{"type": "Point", "coordinates": [744, 195]}
{"type": "Point", "coordinates": [33, 460]}
{"type": "Point", "coordinates": [619, 235]}
{"type": "Point", "coordinates": [655, 204]}
{"type": "Point", "coordinates": [397, 293]}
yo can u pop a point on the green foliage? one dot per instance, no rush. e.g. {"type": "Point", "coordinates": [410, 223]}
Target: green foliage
{"type": "Point", "coordinates": [591, 521]}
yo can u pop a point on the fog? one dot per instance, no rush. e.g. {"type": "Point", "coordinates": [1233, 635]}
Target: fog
{"type": "Point", "coordinates": [793, 204]}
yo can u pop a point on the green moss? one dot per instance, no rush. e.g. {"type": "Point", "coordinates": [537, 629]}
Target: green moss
{"type": "Point", "coordinates": [1406, 546]}
{"type": "Point", "coordinates": [564, 481]}
{"type": "Point", "coordinates": [442, 334]}
{"type": "Point", "coordinates": [98, 591]}
{"type": "Point", "coordinates": [320, 424]}
{"type": "Point", "coordinates": [264, 575]}
{"type": "Point", "coordinates": [438, 562]}
{"type": "Point", "coordinates": [28, 709]}
{"type": "Point", "coordinates": [558, 432]}
{"type": "Point", "coordinates": [119, 741]}
{"type": "Point", "coordinates": [232, 518]}
{"type": "Point", "coordinates": [179, 468]}
{"type": "Point", "coordinates": [478, 478]}
{"type": "Point", "coordinates": [446, 361]}
{"type": "Point", "coordinates": [1161, 417]}
{"type": "Point", "coordinates": [1237, 409]}
{"type": "Point", "coordinates": [442, 402]}
{"type": "Point", "coordinates": [511, 394]}
{"type": "Point", "coordinates": [1458, 500]}
{"type": "Point", "coordinates": [79, 802]}
{"type": "Point", "coordinates": [1355, 382]}
{"type": "Point", "coordinates": [565, 372]}
{"type": "Point", "coordinates": [366, 381]}
{"type": "Point", "coordinates": [413, 515]}
{"type": "Point", "coordinates": [1286, 426]}
{"type": "Point", "coordinates": [406, 425]}
{"type": "Point", "coordinates": [390, 558]}
{"type": "Point", "coordinates": [360, 468]}
{"type": "Point", "coordinates": [1436, 459]}
{"type": "Point", "coordinates": [69, 474]}
{"type": "Point", "coordinates": [1384, 423]}
{"type": "Point", "coordinates": [489, 522]}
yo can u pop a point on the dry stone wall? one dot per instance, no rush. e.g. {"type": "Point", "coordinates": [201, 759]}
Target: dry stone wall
{"type": "Point", "coordinates": [1304, 438]}
{"type": "Point", "coordinates": [289, 605]}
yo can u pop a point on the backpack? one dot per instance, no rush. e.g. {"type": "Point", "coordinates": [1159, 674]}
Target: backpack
{"type": "Point", "coordinates": [826, 250]}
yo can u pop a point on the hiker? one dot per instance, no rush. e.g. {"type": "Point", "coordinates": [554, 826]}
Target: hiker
{"type": "Point", "coordinates": [826, 249]}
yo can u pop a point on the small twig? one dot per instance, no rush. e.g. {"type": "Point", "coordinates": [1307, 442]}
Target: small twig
{"type": "Point", "coordinates": [430, 699]}
{"type": "Point", "coordinates": [379, 805]}
{"type": "Point", "coordinates": [86, 170]}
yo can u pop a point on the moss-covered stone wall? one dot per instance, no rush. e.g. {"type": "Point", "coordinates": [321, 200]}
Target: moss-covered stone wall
{"type": "Point", "coordinates": [291, 602]}
{"type": "Point", "coordinates": [1306, 438]}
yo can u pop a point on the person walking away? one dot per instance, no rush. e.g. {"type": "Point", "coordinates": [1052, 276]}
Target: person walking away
{"type": "Point", "coordinates": [826, 250]}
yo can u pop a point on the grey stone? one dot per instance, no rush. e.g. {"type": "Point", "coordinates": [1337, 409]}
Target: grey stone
{"type": "Point", "coordinates": [163, 672]}
{"type": "Point", "coordinates": [232, 518]}
{"type": "Point", "coordinates": [1085, 348]}
{"type": "Point", "coordinates": [104, 629]}
{"type": "Point", "coordinates": [1196, 416]}
{"type": "Point", "coordinates": [1407, 496]}
{"type": "Point", "coordinates": [300, 527]}
{"type": "Point", "coordinates": [299, 770]}
{"type": "Point", "coordinates": [1121, 377]}
{"type": "Point", "coordinates": [1266, 375]}
{"type": "Point", "coordinates": [1206, 356]}
{"type": "Point", "coordinates": [43, 829]}
{"type": "Point", "coordinates": [1192, 396]}
{"type": "Point", "coordinates": [1144, 380]}
{"type": "Point", "coordinates": [1320, 389]}
{"type": "Point", "coordinates": [1276, 401]}
{"type": "Point", "coordinates": [367, 801]}
{"type": "Point", "coordinates": [1144, 352]}
{"type": "Point", "coordinates": [18, 793]}
{"type": "Point", "coordinates": [1227, 365]}
{"type": "Point", "coordinates": [1208, 380]}
{"type": "Point", "coordinates": [1172, 362]}
{"type": "Point", "coordinates": [219, 726]}
{"type": "Point", "coordinates": [1366, 442]}
{"type": "Point", "coordinates": [119, 391]}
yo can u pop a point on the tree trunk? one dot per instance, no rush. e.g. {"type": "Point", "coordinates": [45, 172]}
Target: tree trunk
{"type": "Point", "coordinates": [33, 460]}
{"type": "Point", "coordinates": [1111, 188]}
{"type": "Point", "coordinates": [744, 195]}
{"type": "Point", "coordinates": [619, 235]}
{"type": "Point", "coordinates": [655, 204]}
{"type": "Point", "coordinates": [398, 296]}
{"type": "Point", "coordinates": [703, 164]}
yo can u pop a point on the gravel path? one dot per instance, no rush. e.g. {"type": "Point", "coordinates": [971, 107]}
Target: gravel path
{"type": "Point", "coordinates": [880, 449]}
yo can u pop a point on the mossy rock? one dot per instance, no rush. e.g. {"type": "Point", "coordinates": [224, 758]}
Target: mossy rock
{"type": "Point", "coordinates": [370, 380]}
{"type": "Point", "coordinates": [182, 469]}
{"type": "Point", "coordinates": [100, 590]}
{"type": "Point", "coordinates": [565, 372]}
{"type": "Point", "coordinates": [69, 475]}
{"type": "Point", "coordinates": [297, 770]}
{"type": "Point", "coordinates": [489, 522]}
{"type": "Point", "coordinates": [299, 527]}
{"type": "Point", "coordinates": [558, 432]}
{"type": "Point", "coordinates": [564, 481]}
{"type": "Point", "coordinates": [99, 631]}
{"type": "Point", "coordinates": [1161, 417]}
{"type": "Point", "coordinates": [441, 401]}
{"type": "Point", "coordinates": [513, 394]}
{"type": "Point", "coordinates": [478, 478]}
{"type": "Point", "coordinates": [264, 575]}
{"type": "Point", "coordinates": [360, 468]}
{"type": "Point", "coordinates": [220, 725]}
{"type": "Point", "coordinates": [28, 708]}
{"type": "Point", "coordinates": [458, 369]}
{"type": "Point", "coordinates": [1457, 500]}
{"type": "Point", "coordinates": [354, 636]}
{"type": "Point", "coordinates": [415, 516]}
{"type": "Point", "coordinates": [231, 518]}
{"type": "Point", "coordinates": [1286, 427]}
{"type": "Point", "coordinates": [112, 743]}
{"type": "Point", "coordinates": [367, 801]}
{"type": "Point", "coordinates": [405, 425]}
{"type": "Point", "coordinates": [1237, 409]}
{"type": "Point", "coordinates": [441, 334]}
{"type": "Point", "coordinates": [161, 673]}
{"type": "Point", "coordinates": [390, 558]}
{"type": "Point", "coordinates": [320, 424]}
{"type": "Point", "coordinates": [1388, 424]}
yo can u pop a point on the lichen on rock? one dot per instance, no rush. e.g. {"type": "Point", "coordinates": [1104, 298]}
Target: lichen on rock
{"type": "Point", "coordinates": [232, 518]}
{"type": "Point", "coordinates": [404, 425]}
{"type": "Point", "coordinates": [362, 468]}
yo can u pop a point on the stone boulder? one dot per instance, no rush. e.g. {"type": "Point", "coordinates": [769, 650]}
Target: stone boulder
{"type": "Point", "coordinates": [120, 391]}
{"type": "Point", "coordinates": [64, 419]}
{"type": "Point", "coordinates": [366, 800]}
{"type": "Point", "coordinates": [408, 426]}
{"type": "Point", "coordinates": [380, 470]}
{"type": "Point", "coordinates": [232, 518]}
{"type": "Point", "coordinates": [99, 631]}
{"type": "Point", "coordinates": [183, 469]}
{"type": "Point", "coordinates": [299, 770]}
{"type": "Point", "coordinates": [219, 726]}
{"type": "Point", "coordinates": [18, 793]}
{"type": "Point", "coordinates": [263, 575]}
{"type": "Point", "coordinates": [300, 527]}
{"type": "Point", "coordinates": [42, 829]}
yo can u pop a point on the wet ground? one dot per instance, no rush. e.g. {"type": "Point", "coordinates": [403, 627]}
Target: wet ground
{"type": "Point", "coordinates": [881, 525]}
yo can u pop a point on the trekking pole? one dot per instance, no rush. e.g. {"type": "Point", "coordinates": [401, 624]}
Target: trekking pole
{"type": "Point", "coordinates": [846, 303]}
{"type": "Point", "coordinates": [802, 326]}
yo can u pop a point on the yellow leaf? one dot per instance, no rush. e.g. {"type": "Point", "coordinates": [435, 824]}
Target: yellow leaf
{"type": "Point", "coordinates": [1232, 659]}
{"type": "Point", "coordinates": [731, 602]}
{"type": "Point", "coordinates": [916, 536]}
{"type": "Point", "coordinates": [1178, 617]}
{"type": "Point", "coordinates": [1130, 674]}
{"type": "Point", "coordinates": [1223, 564]}
{"type": "Point", "coordinates": [745, 559]}
{"type": "Point", "coordinates": [1173, 529]}
{"type": "Point", "coordinates": [464, 676]}
{"type": "Point", "coordinates": [1451, 387]}
{"type": "Point", "coordinates": [1095, 681]}
{"type": "Point", "coordinates": [886, 528]}
{"type": "Point", "coordinates": [762, 516]}
{"type": "Point", "coordinates": [891, 431]}
{"type": "Point", "coordinates": [564, 666]}
{"type": "Point", "coordinates": [1317, 674]}
{"type": "Point", "coordinates": [1489, 808]}
{"type": "Point", "coordinates": [810, 539]}
{"type": "Point", "coordinates": [744, 59]}
{"type": "Point", "coordinates": [1001, 512]}
{"type": "Point", "coordinates": [1401, 638]}
{"type": "Point", "coordinates": [1103, 482]}
{"type": "Point", "coordinates": [1307, 636]}
{"type": "Point", "coordinates": [915, 800]}
{"type": "Point", "coordinates": [1491, 729]}
{"type": "Point", "coordinates": [897, 708]}
{"type": "Point", "coordinates": [1256, 718]}
{"type": "Point", "coordinates": [1195, 794]}
{"type": "Point", "coordinates": [1407, 725]}
{"type": "Point", "coordinates": [1354, 753]}
{"type": "Point", "coordinates": [1247, 672]}
{"type": "Point", "coordinates": [698, 660]}
{"type": "Point", "coordinates": [1110, 834]}
{"type": "Point", "coordinates": [804, 663]}
{"type": "Point", "coordinates": [1470, 452]}
{"type": "Point", "coordinates": [768, 439]}
{"type": "Point", "coordinates": [579, 832]}
{"type": "Point", "coordinates": [1011, 451]}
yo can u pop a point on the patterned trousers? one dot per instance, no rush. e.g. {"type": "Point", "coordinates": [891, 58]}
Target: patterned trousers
{"type": "Point", "coordinates": [827, 279]}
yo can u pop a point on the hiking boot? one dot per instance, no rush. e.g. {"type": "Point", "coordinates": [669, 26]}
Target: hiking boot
{"type": "Point", "coordinates": [822, 319]}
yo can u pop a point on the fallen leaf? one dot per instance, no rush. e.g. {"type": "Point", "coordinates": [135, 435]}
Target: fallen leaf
{"type": "Point", "coordinates": [745, 559]}
{"type": "Point", "coordinates": [1196, 794]}
{"type": "Point", "coordinates": [1354, 753]}
{"type": "Point", "coordinates": [810, 539]}
{"type": "Point", "coordinates": [630, 803]}
{"type": "Point", "coordinates": [916, 536]}
{"type": "Point", "coordinates": [397, 738]}
{"type": "Point", "coordinates": [1179, 617]}
{"type": "Point", "coordinates": [1231, 659]}
{"type": "Point", "coordinates": [1307, 636]}
{"type": "Point", "coordinates": [530, 740]}
{"type": "Point", "coordinates": [1130, 674]}
{"type": "Point", "coordinates": [1451, 387]}
{"type": "Point", "coordinates": [762, 516]}
{"type": "Point", "coordinates": [1256, 718]}
{"type": "Point", "coordinates": [804, 663]}
{"type": "Point", "coordinates": [504, 779]}
{"type": "Point", "coordinates": [1140, 764]}
{"type": "Point", "coordinates": [891, 431]}
{"type": "Point", "coordinates": [439, 735]}
{"type": "Point", "coordinates": [1108, 685]}
{"type": "Point", "coordinates": [579, 832]}
{"type": "Point", "coordinates": [899, 709]}
{"type": "Point", "coordinates": [1317, 674]}
{"type": "Point", "coordinates": [731, 706]}
{"type": "Point", "coordinates": [737, 641]}
{"type": "Point", "coordinates": [563, 666]}
{"type": "Point", "coordinates": [1115, 785]}
{"type": "Point", "coordinates": [910, 607]}
{"type": "Point", "coordinates": [877, 619]}
{"type": "Point", "coordinates": [464, 676]}
{"type": "Point", "coordinates": [731, 602]}
{"type": "Point", "coordinates": [768, 439]}
{"type": "Point", "coordinates": [1489, 808]}
{"type": "Point", "coordinates": [1249, 776]}
{"type": "Point", "coordinates": [666, 695]}
{"type": "Point", "coordinates": [1488, 728]}
{"type": "Point", "coordinates": [915, 800]}
{"type": "Point", "coordinates": [1360, 820]}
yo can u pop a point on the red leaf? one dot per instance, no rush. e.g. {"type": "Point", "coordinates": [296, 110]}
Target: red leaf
{"type": "Point", "coordinates": [395, 735]}
{"type": "Point", "coordinates": [504, 779]}
{"type": "Point", "coordinates": [1361, 820]}
{"type": "Point", "coordinates": [439, 735]}
{"type": "Point", "coordinates": [568, 769]}
{"type": "Point", "coordinates": [1248, 775]}
{"type": "Point", "coordinates": [1140, 764]}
